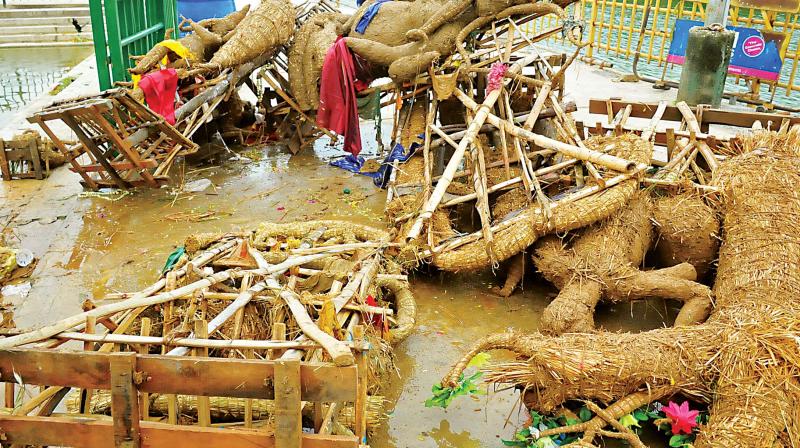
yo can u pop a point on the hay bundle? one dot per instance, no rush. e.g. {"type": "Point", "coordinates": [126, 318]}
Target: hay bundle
{"type": "Point", "coordinates": [263, 30]}
{"type": "Point", "coordinates": [530, 224]}
{"type": "Point", "coordinates": [603, 262]}
{"type": "Point", "coordinates": [307, 53]}
{"type": "Point", "coordinates": [745, 360]}
{"type": "Point", "coordinates": [223, 409]}
{"type": "Point", "coordinates": [337, 231]}
{"type": "Point", "coordinates": [688, 230]}
{"type": "Point", "coordinates": [201, 44]}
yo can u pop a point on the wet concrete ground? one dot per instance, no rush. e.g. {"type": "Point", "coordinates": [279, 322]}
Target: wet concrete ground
{"type": "Point", "coordinates": [90, 246]}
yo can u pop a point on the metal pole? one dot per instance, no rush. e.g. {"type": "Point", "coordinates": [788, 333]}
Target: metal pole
{"type": "Point", "coordinates": [717, 12]}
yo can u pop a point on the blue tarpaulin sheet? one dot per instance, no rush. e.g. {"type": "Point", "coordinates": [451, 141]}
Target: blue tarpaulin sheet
{"type": "Point", "coordinates": [381, 177]}
{"type": "Point", "coordinates": [198, 10]}
{"type": "Point", "coordinates": [368, 15]}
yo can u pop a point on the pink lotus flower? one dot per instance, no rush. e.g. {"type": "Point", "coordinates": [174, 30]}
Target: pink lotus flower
{"type": "Point", "coordinates": [682, 419]}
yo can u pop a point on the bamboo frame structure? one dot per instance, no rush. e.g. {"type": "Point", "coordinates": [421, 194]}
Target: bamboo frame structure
{"type": "Point", "coordinates": [272, 340]}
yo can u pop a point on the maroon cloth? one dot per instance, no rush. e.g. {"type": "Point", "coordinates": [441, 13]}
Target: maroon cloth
{"type": "Point", "coordinates": [159, 91]}
{"type": "Point", "coordinates": [338, 110]}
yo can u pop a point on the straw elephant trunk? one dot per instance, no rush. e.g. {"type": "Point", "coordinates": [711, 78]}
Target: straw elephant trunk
{"type": "Point", "coordinates": [603, 263]}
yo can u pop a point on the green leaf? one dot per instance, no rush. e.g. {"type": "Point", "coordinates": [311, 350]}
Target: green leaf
{"type": "Point", "coordinates": [515, 443]}
{"type": "Point", "coordinates": [480, 360]}
{"type": "Point", "coordinates": [536, 419]}
{"type": "Point", "coordinates": [641, 415]}
{"type": "Point", "coordinates": [678, 440]}
{"type": "Point", "coordinates": [585, 414]}
{"type": "Point", "coordinates": [629, 421]}
{"type": "Point", "coordinates": [571, 421]}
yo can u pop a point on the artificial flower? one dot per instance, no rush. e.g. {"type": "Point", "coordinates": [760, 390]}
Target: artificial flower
{"type": "Point", "coordinates": [682, 418]}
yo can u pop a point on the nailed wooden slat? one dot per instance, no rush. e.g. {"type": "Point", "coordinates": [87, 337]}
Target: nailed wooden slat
{"type": "Point", "coordinates": [288, 407]}
{"type": "Point", "coordinates": [215, 377]}
{"type": "Point", "coordinates": [124, 401]}
{"type": "Point", "coordinates": [83, 432]}
{"type": "Point", "coordinates": [41, 367]}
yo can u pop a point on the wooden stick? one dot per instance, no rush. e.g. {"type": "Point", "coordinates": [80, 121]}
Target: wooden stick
{"type": "Point", "coordinates": [138, 301]}
{"type": "Point", "coordinates": [144, 402]}
{"type": "Point", "coordinates": [482, 203]}
{"type": "Point", "coordinates": [481, 113]}
{"type": "Point", "coordinates": [295, 106]}
{"type": "Point", "coordinates": [509, 183]}
{"type": "Point", "coordinates": [203, 403]}
{"type": "Point", "coordinates": [694, 126]}
{"type": "Point", "coordinates": [586, 192]}
{"type": "Point", "coordinates": [612, 162]}
{"type": "Point", "coordinates": [650, 131]}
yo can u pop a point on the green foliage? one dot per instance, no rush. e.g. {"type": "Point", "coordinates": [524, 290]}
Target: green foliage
{"type": "Point", "coordinates": [443, 396]}
{"type": "Point", "coordinates": [629, 421]}
{"type": "Point", "coordinates": [585, 414]}
{"type": "Point", "coordinates": [681, 440]}
{"type": "Point", "coordinates": [529, 437]}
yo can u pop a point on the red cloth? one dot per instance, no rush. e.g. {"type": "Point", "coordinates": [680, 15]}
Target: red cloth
{"type": "Point", "coordinates": [159, 90]}
{"type": "Point", "coordinates": [338, 110]}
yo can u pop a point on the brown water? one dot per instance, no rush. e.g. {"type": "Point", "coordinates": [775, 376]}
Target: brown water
{"type": "Point", "coordinates": [89, 247]}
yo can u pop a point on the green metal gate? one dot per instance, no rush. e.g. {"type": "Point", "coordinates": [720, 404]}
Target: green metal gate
{"type": "Point", "coordinates": [123, 28]}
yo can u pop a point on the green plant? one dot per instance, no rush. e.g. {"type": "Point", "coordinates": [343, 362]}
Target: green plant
{"type": "Point", "coordinates": [529, 437]}
{"type": "Point", "coordinates": [443, 396]}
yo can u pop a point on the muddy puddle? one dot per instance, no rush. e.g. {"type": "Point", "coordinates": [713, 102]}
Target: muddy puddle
{"type": "Point", "coordinates": [93, 246]}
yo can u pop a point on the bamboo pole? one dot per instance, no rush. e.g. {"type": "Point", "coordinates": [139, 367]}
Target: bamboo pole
{"type": "Point", "coordinates": [138, 301]}
{"type": "Point", "coordinates": [694, 126]}
{"type": "Point", "coordinates": [509, 183]}
{"type": "Point", "coordinates": [612, 162]}
{"type": "Point", "coordinates": [586, 192]}
{"type": "Point", "coordinates": [481, 113]}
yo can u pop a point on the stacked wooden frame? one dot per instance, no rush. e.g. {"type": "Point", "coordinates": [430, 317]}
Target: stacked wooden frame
{"type": "Point", "coordinates": [121, 143]}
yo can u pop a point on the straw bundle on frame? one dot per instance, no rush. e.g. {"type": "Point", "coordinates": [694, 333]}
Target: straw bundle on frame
{"type": "Point", "coordinates": [522, 230]}
{"type": "Point", "coordinates": [263, 30]}
{"type": "Point", "coordinates": [688, 231]}
{"type": "Point", "coordinates": [744, 360]}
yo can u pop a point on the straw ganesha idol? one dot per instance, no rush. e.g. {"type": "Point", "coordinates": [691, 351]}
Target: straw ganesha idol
{"type": "Point", "coordinates": [402, 38]}
{"type": "Point", "coordinates": [407, 36]}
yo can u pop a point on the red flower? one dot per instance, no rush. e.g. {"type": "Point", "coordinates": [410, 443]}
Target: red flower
{"type": "Point", "coordinates": [682, 419]}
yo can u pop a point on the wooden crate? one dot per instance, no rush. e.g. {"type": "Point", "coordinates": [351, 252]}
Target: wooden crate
{"type": "Point", "coordinates": [131, 376]}
{"type": "Point", "coordinates": [122, 143]}
{"type": "Point", "coordinates": [19, 159]}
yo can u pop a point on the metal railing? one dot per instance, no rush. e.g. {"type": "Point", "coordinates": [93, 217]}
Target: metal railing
{"type": "Point", "coordinates": [124, 28]}
{"type": "Point", "coordinates": [614, 28]}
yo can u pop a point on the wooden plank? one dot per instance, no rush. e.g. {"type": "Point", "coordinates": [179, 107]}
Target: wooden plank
{"type": "Point", "coordinates": [213, 377]}
{"type": "Point", "coordinates": [124, 146]}
{"type": "Point", "coordinates": [36, 160]}
{"type": "Point", "coordinates": [710, 116]}
{"type": "Point", "coordinates": [361, 395]}
{"type": "Point", "coordinates": [82, 432]}
{"type": "Point", "coordinates": [203, 404]}
{"type": "Point", "coordinates": [145, 349]}
{"type": "Point", "coordinates": [288, 407]}
{"type": "Point", "coordinates": [67, 152]}
{"type": "Point", "coordinates": [121, 166]}
{"type": "Point", "coordinates": [42, 367]}
{"type": "Point", "coordinates": [92, 148]}
{"type": "Point", "coordinates": [124, 401]}
{"type": "Point", "coordinates": [4, 169]}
